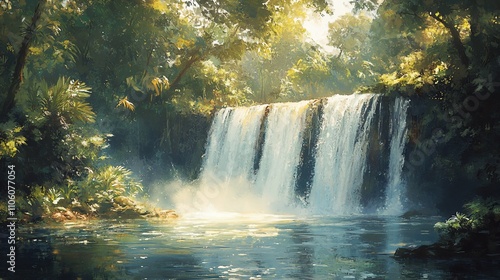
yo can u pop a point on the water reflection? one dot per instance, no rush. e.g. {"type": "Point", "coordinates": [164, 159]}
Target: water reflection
{"type": "Point", "coordinates": [302, 251]}
{"type": "Point", "coordinates": [237, 247]}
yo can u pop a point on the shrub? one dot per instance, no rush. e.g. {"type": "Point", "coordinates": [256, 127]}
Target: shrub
{"type": "Point", "coordinates": [455, 228]}
{"type": "Point", "coordinates": [10, 139]}
{"type": "Point", "coordinates": [107, 183]}
{"type": "Point", "coordinates": [484, 211]}
{"type": "Point", "coordinates": [483, 215]}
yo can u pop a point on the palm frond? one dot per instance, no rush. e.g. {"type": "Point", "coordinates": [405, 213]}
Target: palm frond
{"type": "Point", "coordinates": [125, 103]}
{"type": "Point", "coordinates": [66, 99]}
{"type": "Point", "coordinates": [82, 111]}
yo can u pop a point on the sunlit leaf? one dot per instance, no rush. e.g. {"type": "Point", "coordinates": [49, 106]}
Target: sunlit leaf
{"type": "Point", "coordinates": [125, 103]}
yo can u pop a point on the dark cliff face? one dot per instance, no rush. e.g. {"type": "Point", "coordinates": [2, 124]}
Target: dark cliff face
{"type": "Point", "coordinates": [305, 171]}
{"type": "Point", "coordinates": [375, 177]}
{"type": "Point", "coordinates": [431, 181]}
{"type": "Point", "coordinates": [187, 143]}
{"type": "Point", "coordinates": [162, 150]}
{"type": "Point", "coordinates": [438, 174]}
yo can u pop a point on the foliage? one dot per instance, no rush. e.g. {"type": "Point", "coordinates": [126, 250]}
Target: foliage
{"type": "Point", "coordinates": [10, 139]}
{"type": "Point", "coordinates": [415, 71]}
{"type": "Point", "coordinates": [408, 44]}
{"type": "Point", "coordinates": [91, 195]}
{"type": "Point", "coordinates": [34, 205]}
{"type": "Point", "coordinates": [349, 34]}
{"type": "Point", "coordinates": [107, 183]}
{"type": "Point", "coordinates": [356, 63]}
{"type": "Point", "coordinates": [455, 228]}
{"type": "Point", "coordinates": [61, 104]}
{"type": "Point", "coordinates": [440, 38]}
{"type": "Point", "coordinates": [255, 16]}
{"type": "Point", "coordinates": [485, 211]}
{"type": "Point", "coordinates": [309, 78]}
{"type": "Point", "coordinates": [60, 143]}
{"type": "Point", "coordinates": [483, 214]}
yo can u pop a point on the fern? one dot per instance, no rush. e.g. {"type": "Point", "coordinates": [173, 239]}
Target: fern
{"type": "Point", "coordinates": [66, 101]}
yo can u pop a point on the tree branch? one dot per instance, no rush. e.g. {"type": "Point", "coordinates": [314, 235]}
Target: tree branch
{"type": "Point", "coordinates": [195, 57]}
{"type": "Point", "coordinates": [456, 41]}
{"type": "Point", "coordinates": [186, 67]}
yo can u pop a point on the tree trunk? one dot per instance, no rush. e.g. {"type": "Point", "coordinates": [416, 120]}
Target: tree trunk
{"type": "Point", "coordinates": [477, 42]}
{"type": "Point", "coordinates": [455, 40]}
{"type": "Point", "coordinates": [183, 71]}
{"type": "Point", "coordinates": [17, 76]}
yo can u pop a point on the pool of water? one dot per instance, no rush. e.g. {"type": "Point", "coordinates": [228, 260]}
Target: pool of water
{"type": "Point", "coordinates": [236, 246]}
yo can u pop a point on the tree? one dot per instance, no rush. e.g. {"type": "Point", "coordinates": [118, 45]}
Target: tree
{"type": "Point", "coordinates": [468, 24]}
{"type": "Point", "coordinates": [22, 55]}
{"type": "Point", "coordinates": [310, 77]}
{"type": "Point", "coordinates": [353, 66]}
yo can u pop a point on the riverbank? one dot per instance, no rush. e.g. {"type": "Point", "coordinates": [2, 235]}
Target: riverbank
{"type": "Point", "coordinates": [120, 207]}
{"type": "Point", "coordinates": [475, 234]}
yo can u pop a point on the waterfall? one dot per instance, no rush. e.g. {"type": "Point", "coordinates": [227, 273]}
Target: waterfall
{"type": "Point", "coordinates": [254, 155]}
{"type": "Point", "coordinates": [232, 142]}
{"type": "Point", "coordinates": [340, 158]}
{"type": "Point", "coordinates": [395, 191]}
{"type": "Point", "coordinates": [281, 154]}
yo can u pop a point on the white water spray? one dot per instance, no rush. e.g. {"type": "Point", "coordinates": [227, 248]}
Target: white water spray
{"type": "Point", "coordinates": [395, 186]}
{"type": "Point", "coordinates": [231, 146]}
{"type": "Point", "coordinates": [281, 154]}
{"type": "Point", "coordinates": [341, 154]}
{"type": "Point", "coordinates": [227, 173]}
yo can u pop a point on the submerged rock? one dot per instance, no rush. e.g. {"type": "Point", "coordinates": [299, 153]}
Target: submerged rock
{"type": "Point", "coordinates": [411, 214]}
{"type": "Point", "coordinates": [424, 251]}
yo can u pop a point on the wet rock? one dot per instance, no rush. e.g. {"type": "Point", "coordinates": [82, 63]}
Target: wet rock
{"type": "Point", "coordinates": [411, 214]}
{"type": "Point", "coordinates": [105, 207]}
{"type": "Point", "coordinates": [168, 214]}
{"type": "Point", "coordinates": [124, 201]}
{"type": "Point", "coordinates": [128, 213]}
{"type": "Point", "coordinates": [164, 214]}
{"type": "Point", "coordinates": [58, 217]}
{"type": "Point", "coordinates": [79, 207]}
{"type": "Point", "coordinates": [69, 215]}
{"type": "Point", "coordinates": [473, 245]}
{"type": "Point", "coordinates": [64, 215]}
{"type": "Point", "coordinates": [424, 251]}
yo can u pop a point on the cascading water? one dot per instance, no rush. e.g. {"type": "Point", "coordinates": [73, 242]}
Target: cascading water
{"type": "Point", "coordinates": [228, 167]}
{"type": "Point", "coordinates": [281, 154]}
{"type": "Point", "coordinates": [341, 160]}
{"type": "Point", "coordinates": [395, 187]}
{"type": "Point", "coordinates": [232, 143]}
{"type": "Point", "coordinates": [255, 153]}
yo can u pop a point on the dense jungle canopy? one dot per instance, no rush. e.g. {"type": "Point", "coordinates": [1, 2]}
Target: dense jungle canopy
{"type": "Point", "coordinates": [143, 77]}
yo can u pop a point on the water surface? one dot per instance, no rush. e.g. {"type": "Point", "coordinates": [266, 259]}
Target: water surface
{"type": "Point", "coordinates": [237, 246]}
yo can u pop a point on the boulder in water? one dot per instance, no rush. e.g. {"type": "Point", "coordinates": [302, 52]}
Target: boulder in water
{"type": "Point", "coordinates": [424, 251]}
